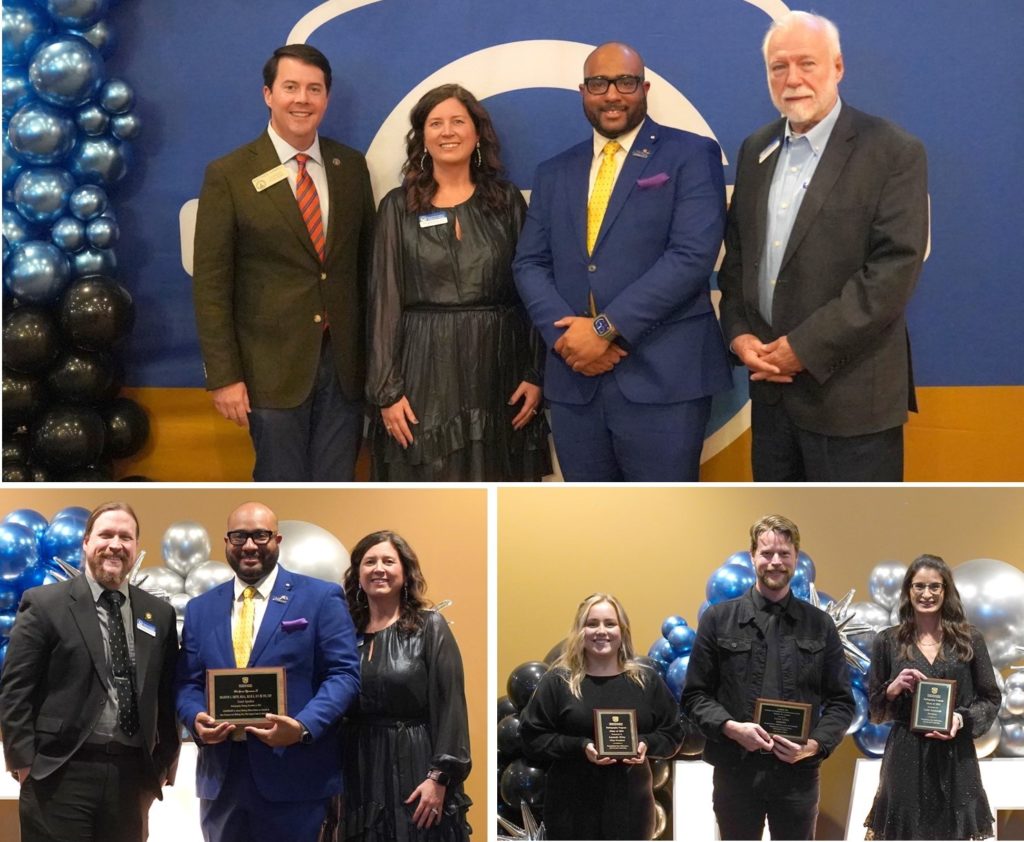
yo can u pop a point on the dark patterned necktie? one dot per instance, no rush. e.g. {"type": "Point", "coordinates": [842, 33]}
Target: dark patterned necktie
{"type": "Point", "coordinates": [309, 205]}
{"type": "Point", "coordinates": [124, 685]}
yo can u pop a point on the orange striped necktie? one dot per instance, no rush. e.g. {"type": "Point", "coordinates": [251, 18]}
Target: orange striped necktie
{"type": "Point", "coordinates": [309, 205]}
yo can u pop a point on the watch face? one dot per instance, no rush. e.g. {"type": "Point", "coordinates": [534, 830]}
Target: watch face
{"type": "Point", "coordinates": [601, 325]}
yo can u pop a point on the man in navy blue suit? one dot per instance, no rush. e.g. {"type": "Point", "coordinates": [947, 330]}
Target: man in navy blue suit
{"type": "Point", "coordinates": [268, 782]}
{"type": "Point", "coordinates": [613, 266]}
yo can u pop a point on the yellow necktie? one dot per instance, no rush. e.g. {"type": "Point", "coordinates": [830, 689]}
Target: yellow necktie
{"type": "Point", "coordinates": [241, 640]}
{"type": "Point", "coordinates": [602, 193]}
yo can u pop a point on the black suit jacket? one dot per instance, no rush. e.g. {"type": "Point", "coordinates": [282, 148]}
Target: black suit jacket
{"type": "Point", "coordinates": [852, 261]}
{"type": "Point", "coordinates": [52, 691]}
{"type": "Point", "coordinates": [260, 292]}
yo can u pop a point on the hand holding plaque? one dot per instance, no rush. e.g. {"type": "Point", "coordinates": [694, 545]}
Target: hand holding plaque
{"type": "Point", "coordinates": [245, 696]}
{"type": "Point", "coordinates": [932, 707]}
{"type": "Point", "coordinates": [779, 718]}
{"type": "Point", "coordinates": [615, 732]}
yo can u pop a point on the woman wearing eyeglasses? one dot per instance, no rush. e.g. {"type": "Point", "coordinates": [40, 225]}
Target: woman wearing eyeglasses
{"type": "Point", "coordinates": [406, 747]}
{"type": "Point", "coordinates": [454, 370]}
{"type": "Point", "coordinates": [589, 795]}
{"type": "Point", "coordinates": [930, 784]}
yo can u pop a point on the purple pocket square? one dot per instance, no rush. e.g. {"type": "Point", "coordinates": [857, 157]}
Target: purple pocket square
{"type": "Point", "coordinates": [652, 182]}
{"type": "Point", "coordinates": [294, 625]}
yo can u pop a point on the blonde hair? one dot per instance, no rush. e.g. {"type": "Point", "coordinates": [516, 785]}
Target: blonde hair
{"type": "Point", "coordinates": [573, 659]}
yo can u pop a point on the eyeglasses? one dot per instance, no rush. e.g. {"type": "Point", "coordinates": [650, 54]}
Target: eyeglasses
{"type": "Point", "coordinates": [238, 537]}
{"type": "Point", "coordinates": [624, 84]}
{"type": "Point", "coordinates": [931, 587]}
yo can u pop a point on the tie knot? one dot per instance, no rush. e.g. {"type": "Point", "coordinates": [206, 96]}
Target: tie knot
{"type": "Point", "coordinates": [610, 148]}
{"type": "Point", "coordinates": [249, 592]}
{"type": "Point", "coordinates": [301, 158]}
{"type": "Point", "coordinates": [112, 598]}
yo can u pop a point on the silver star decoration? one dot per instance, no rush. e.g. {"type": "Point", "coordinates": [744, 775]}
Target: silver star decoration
{"type": "Point", "coordinates": [529, 830]}
{"type": "Point", "coordinates": [845, 625]}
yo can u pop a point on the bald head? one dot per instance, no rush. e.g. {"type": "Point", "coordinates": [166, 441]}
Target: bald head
{"type": "Point", "coordinates": [614, 91]}
{"type": "Point", "coordinates": [252, 512]}
{"type": "Point", "coordinates": [614, 51]}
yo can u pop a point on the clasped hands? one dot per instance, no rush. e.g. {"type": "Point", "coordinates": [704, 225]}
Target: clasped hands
{"type": "Point", "coordinates": [591, 752]}
{"type": "Point", "coordinates": [753, 737]}
{"type": "Point", "coordinates": [279, 732]}
{"type": "Point", "coordinates": [775, 362]}
{"type": "Point", "coordinates": [583, 350]}
{"type": "Point", "coordinates": [906, 682]}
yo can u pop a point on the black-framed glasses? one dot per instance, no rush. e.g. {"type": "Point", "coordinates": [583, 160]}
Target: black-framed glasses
{"type": "Point", "coordinates": [238, 537]}
{"type": "Point", "coordinates": [625, 84]}
{"type": "Point", "coordinates": [931, 587]}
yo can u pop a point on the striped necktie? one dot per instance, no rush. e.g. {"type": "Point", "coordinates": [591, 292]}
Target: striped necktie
{"type": "Point", "coordinates": [241, 640]}
{"type": "Point", "coordinates": [309, 205]}
{"type": "Point", "coordinates": [601, 194]}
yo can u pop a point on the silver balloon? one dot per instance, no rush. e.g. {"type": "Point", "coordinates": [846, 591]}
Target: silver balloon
{"type": "Point", "coordinates": [161, 579]}
{"type": "Point", "coordinates": [186, 544]}
{"type": "Point", "coordinates": [68, 234]}
{"type": "Point", "coordinates": [99, 160]}
{"type": "Point", "coordinates": [178, 603]}
{"type": "Point", "coordinates": [93, 261]}
{"type": "Point", "coordinates": [102, 36]}
{"type": "Point", "coordinates": [66, 71]}
{"type": "Point", "coordinates": [1013, 701]}
{"type": "Point", "coordinates": [92, 119]}
{"type": "Point", "coordinates": [41, 134]}
{"type": "Point", "coordinates": [88, 201]}
{"type": "Point", "coordinates": [17, 90]}
{"type": "Point", "coordinates": [125, 126]}
{"type": "Point", "coordinates": [885, 581]}
{"type": "Point", "coordinates": [116, 96]}
{"type": "Point", "coordinates": [989, 741]}
{"type": "Point", "coordinates": [25, 28]}
{"type": "Point", "coordinates": [312, 550]}
{"type": "Point", "coordinates": [41, 194]}
{"type": "Point", "coordinates": [37, 272]}
{"type": "Point", "coordinates": [102, 232]}
{"type": "Point", "coordinates": [1011, 740]}
{"type": "Point", "coordinates": [993, 596]}
{"type": "Point", "coordinates": [205, 576]}
{"type": "Point", "coordinates": [76, 14]}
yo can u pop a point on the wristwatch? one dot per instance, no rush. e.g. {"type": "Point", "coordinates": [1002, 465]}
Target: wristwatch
{"type": "Point", "coordinates": [306, 739]}
{"type": "Point", "coordinates": [604, 328]}
{"type": "Point", "coordinates": [438, 776]}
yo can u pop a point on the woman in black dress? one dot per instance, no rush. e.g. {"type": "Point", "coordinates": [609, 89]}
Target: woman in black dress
{"type": "Point", "coordinates": [407, 746]}
{"type": "Point", "coordinates": [930, 784]}
{"type": "Point", "coordinates": [454, 369]}
{"type": "Point", "coordinates": [587, 796]}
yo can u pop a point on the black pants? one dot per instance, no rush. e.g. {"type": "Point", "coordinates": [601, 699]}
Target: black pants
{"type": "Point", "coordinates": [786, 795]}
{"type": "Point", "coordinates": [783, 452]}
{"type": "Point", "coordinates": [87, 800]}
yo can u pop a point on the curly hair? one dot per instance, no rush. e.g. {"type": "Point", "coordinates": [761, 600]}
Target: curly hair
{"type": "Point", "coordinates": [412, 599]}
{"type": "Point", "coordinates": [956, 631]}
{"type": "Point", "coordinates": [418, 169]}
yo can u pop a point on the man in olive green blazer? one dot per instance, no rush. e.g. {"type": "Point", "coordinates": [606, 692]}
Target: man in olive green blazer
{"type": "Point", "coordinates": [282, 326]}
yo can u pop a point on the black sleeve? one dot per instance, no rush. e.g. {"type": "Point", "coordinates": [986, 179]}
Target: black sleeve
{"type": "Point", "coordinates": [446, 695]}
{"type": "Point", "coordinates": [879, 678]}
{"type": "Point", "coordinates": [980, 712]}
{"type": "Point", "coordinates": [384, 384]}
{"type": "Point", "coordinates": [538, 722]}
{"type": "Point", "coordinates": [25, 665]}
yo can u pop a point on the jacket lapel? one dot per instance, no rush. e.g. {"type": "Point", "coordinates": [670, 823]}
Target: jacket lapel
{"type": "Point", "coordinates": [280, 195]}
{"type": "Point", "coordinates": [336, 193]}
{"type": "Point", "coordinates": [83, 610]}
{"type": "Point", "coordinates": [219, 614]}
{"type": "Point", "coordinates": [277, 605]}
{"type": "Point", "coordinates": [765, 171]}
{"type": "Point", "coordinates": [577, 185]}
{"type": "Point", "coordinates": [640, 156]}
{"type": "Point", "coordinates": [144, 642]}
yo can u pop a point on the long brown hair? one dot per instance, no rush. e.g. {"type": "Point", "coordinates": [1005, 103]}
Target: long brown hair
{"type": "Point", "coordinates": [956, 631]}
{"type": "Point", "coordinates": [418, 170]}
{"type": "Point", "coordinates": [412, 600]}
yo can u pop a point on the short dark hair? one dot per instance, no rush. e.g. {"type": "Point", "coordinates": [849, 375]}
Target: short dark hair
{"type": "Point", "coordinates": [300, 52]}
{"type": "Point", "coordinates": [112, 506]}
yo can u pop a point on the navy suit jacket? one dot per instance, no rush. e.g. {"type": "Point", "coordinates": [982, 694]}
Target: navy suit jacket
{"type": "Point", "coordinates": [322, 672]}
{"type": "Point", "coordinates": [649, 271]}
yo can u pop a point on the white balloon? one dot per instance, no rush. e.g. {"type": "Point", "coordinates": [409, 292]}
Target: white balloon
{"type": "Point", "coordinates": [207, 575]}
{"type": "Point", "coordinates": [989, 741]}
{"type": "Point", "coordinates": [178, 603]}
{"type": "Point", "coordinates": [1011, 740]}
{"type": "Point", "coordinates": [312, 550]}
{"type": "Point", "coordinates": [185, 545]}
{"type": "Point", "coordinates": [992, 592]}
{"type": "Point", "coordinates": [1013, 701]}
{"type": "Point", "coordinates": [885, 582]}
{"type": "Point", "coordinates": [161, 579]}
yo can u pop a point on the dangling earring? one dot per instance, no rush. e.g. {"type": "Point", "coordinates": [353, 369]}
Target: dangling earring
{"type": "Point", "coordinates": [359, 590]}
{"type": "Point", "coordinates": [423, 161]}
{"type": "Point", "coordinates": [405, 593]}
{"type": "Point", "coordinates": [479, 157]}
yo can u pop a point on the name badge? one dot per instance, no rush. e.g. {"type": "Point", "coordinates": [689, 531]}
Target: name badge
{"type": "Point", "coordinates": [429, 220]}
{"type": "Point", "coordinates": [143, 626]}
{"type": "Point", "coordinates": [771, 147]}
{"type": "Point", "coordinates": [270, 178]}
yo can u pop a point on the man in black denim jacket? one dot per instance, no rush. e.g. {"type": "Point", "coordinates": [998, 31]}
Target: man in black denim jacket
{"type": "Point", "coordinates": [741, 654]}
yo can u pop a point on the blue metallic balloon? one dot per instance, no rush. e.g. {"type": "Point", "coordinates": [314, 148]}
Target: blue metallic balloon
{"type": "Point", "coordinates": [25, 28]}
{"type": "Point", "coordinates": [99, 160]}
{"type": "Point", "coordinates": [740, 558]}
{"type": "Point", "coordinates": [31, 518]}
{"type": "Point", "coordinates": [860, 711]}
{"type": "Point", "coordinates": [76, 14]}
{"type": "Point", "coordinates": [728, 582]}
{"type": "Point", "coordinates": [681, 638]}
{"type": "Point", "coordinates": [704, 606]}
{"type": "Point", "coordinates": [13, 166]}
{"type": "Point", "coordinates": [804, 561]}
{"type": "Point", "coordinates": [94, 261]}
{"type": "Point", "coordinates": [675, 678]}
{"type": "Point", "coordinates": [88, 201]}
{"type": "Point", "coordinates": [41, 134]}
{"type": "Point", "coordinates": [17, 90]}
{"type": "Point", "coordinates": [7, 619]}
{"type": "Point", "coordinates": [17, 229]}
{"type": "Point", "coordinates": [41, 194]}
{"type": "Point", "coordinates": [661, 652]}
{"type": "Point", "coordinates": [7, 248]}
{"type": "Point", "coordinates": [670, 623]}
{"type": "Point", "coordinates": [10, 595]}
{"type": "Point", "coordinates": [92, 119]}
{"type": "Point", "coordinates": [102, 232]}
{"type": "Point", "coordinates": [870, 739]}
{"type": "Point", "coordinates": [18, 550]}
{"type": "Point", "coordinates": [63, 540]}
{"type": "Point", "coordinates": [116, 96]}
{"type": "Point", "coordinates": [800, 584]}
{"type": "Point", "coordinates": [125, 126]}
{"type": "Point", "coordinates": [76, 512]}
{"type": "Point", "coordinates": [37, 272]}
{"type": "Point", "coordinates": [102, 36]}
{"type": "Point", "coordinates": [68, 234]}
{"type": "Point", "coordinates": [66, 71]}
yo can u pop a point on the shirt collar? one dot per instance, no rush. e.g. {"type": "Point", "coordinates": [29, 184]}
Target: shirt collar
{"type": "Point", "coordinates": [97, 589]}
{"type": "Point", "coordinates": [761, 602]}
{"type": "Point", "coordinates": [264, 588]}
{"type": "Point", "coordinates": [624, 140]}
{"type": "Point", "coordinates": [819, 135]}
{"type": "Point", "coordinates": [285, 151]}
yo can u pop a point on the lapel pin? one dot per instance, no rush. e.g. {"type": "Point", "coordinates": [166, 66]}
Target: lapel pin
{"type": "Point", "coordinates": [642, 153]}
{"type": "Point", "coordinates": [283, 599]}
{"type": "Point", "coordinates": [336, 161]}
{"type": "Point", "coordinates": [288, 586]}
{"type": "Point", "coordinates": [149, 616]}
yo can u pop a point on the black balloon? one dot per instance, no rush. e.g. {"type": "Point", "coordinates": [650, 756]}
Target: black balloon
{"type": "Point", "coordinates": [96, 312]}
{"type": "Point", "coordinates": [136, 478]}
{"type": "Point", "coordinates": [555, 652]}
{"type": "Point", "coordinates": [127, 428]}
{"type": "Point", "coordinates": [523, 680]}
{"type": "Point", "coordinates": [82, 377]}
{"type": "Point", "coordinates": [68, 437]}
{"type": "Point", "coordinates": [661, 771]}
{"type": "Point", "coordinates": [23, 398]}
{"type": "Point", "coordinates": [505, 707]}
{"type": "Point", "coordinates": [522, 782]}
{"type": "Point", "coordinates": [39, 473]}
{"type": "Point", "coordinates": [509, 743]}
{"type": "Point", "coordinates": [103, 472]}
{"type": "Point", "coordinates": [16, 448]}
{"type": "Point", "coordinates": [31, 339]}
{"type": "Point", "coordinates": [16, 472]}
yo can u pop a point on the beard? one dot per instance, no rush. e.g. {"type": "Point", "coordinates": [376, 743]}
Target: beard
{"type": "Point", "coordinates": [775, 580]}
{"type": "Point", "coordinates": [252, 573]}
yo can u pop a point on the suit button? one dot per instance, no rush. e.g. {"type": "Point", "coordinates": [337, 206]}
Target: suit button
{"type": "Point", "coordinates": [317, 319]}
{"type": "Point", "coordinates": [591, 268]}
{"type": "Point", "coordinates": [323, 276]}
